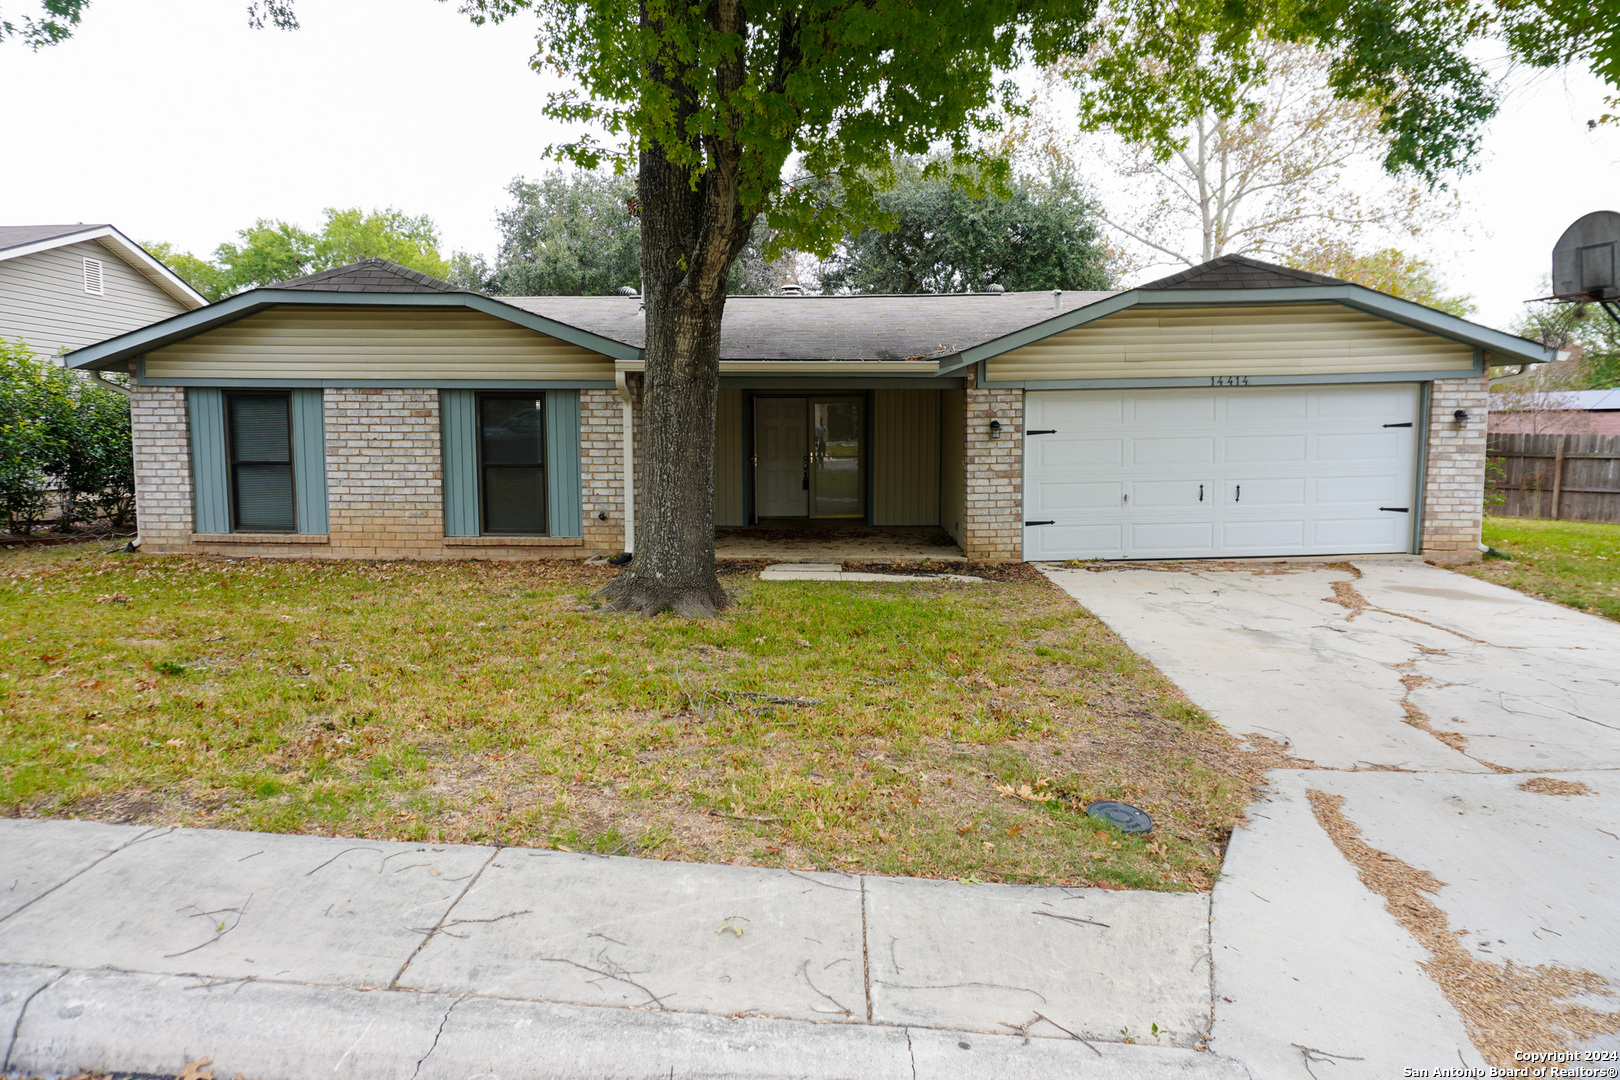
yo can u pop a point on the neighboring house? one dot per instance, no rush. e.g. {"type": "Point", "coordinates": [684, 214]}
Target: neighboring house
{"type": "Point", "coordinates": [1235, 409]}
{"type": "Point", "coordinates": [63, 287]}
{"type": "Point", "coordinates": [1571, 412]}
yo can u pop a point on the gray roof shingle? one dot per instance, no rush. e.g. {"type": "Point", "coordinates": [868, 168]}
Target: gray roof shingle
{"type": "Point", "coordinates": [894, 327]}
{"type": "Point", "coordinates": [1240, 272]}
{"type": "Point", "coordinates": [17, 235]}
{"type": "Point", "coordinates": [369, 276]}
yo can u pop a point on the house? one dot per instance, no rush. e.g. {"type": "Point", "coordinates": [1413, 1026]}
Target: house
{"type": "Point", "coordinates": [1235, 409]}
{"type": "Point", "coordinates": [63, 287]}
{"type": "Point", "coordinates": [1559, 412]}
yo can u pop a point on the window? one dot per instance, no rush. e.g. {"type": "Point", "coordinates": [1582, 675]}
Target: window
{"type": "Point", "coordinates": [92, 277]}
{"type": "Point", "coordinates": [512, 464]}
{"type": "Point", "coordinates": [259, 435]}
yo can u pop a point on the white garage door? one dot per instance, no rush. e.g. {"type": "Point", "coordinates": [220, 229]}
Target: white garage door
{"type": "Point", "coordinates": [1152, 474]}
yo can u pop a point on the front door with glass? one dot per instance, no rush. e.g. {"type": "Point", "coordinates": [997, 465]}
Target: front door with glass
{"type": "Point", "coordinates": [807, 457]}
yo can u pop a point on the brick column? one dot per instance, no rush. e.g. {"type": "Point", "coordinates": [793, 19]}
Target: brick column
{"type": "Point", "coordinates": [993, 526]}
{"type": "Point", "coordinates": [601, 453]}
{"type": "Point", "coordinates": [1454, 481]}
{"type": "Point", "coordinates": [157, 416]}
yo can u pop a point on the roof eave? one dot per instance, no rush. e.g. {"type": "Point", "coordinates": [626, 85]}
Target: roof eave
{"type": "Point", "coordinates": [1502, 346]}
{"type": "Point", "coordinates": [108, 355]}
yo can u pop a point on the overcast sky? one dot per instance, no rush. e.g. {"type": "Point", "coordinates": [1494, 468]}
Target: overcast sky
{"type": "Point", "coordinates": [174, 121]}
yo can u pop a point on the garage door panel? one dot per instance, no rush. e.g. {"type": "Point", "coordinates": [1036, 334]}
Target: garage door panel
{"type": "Point", "coordinates": [1158, 494]}
{"type": "Point", "coordinates": [1363, 447]}
{"type": "Point", "coordinates": [1196, 451]}
{"type": "Point", "coordinates": [1055, 498]}
{"type": "Point", "coordinates": [1263, 537]}
{"type": "Point", "coordinates": [1265, 448]}
{"type": "Point", "coordinates": [1078, 452]}
{"type": "Point", "coordinates": [1315, 465]}
{"type": "Point", "coordinates": [1167, 538]}
{"type": "Point", "coordinates": [1268, 492]}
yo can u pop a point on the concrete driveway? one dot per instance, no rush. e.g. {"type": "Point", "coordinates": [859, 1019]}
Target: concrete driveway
{"type": "Point", "coordinates": [1438, 877]}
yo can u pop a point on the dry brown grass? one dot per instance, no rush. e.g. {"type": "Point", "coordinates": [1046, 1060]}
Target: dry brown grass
{"type": "Point", "coordinates": [1506, 1008]}
{"type": "Point", "coordinates": [1546, 785]}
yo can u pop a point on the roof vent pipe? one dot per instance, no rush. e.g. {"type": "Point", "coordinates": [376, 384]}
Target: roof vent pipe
{"type": "Point", "coordinates": [1057, 299]}
{"type": "Point", "coordinates": [792, 288]}
{"type": "Point", "coordinates": [995, 287]}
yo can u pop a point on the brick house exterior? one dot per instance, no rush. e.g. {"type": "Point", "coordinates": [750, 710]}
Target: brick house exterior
{"type": "Point", "coordinates": [396, 461]}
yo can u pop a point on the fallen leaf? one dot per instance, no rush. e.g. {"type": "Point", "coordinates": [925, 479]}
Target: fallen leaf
{"type": "Point", "coordinates": [201, 1069]}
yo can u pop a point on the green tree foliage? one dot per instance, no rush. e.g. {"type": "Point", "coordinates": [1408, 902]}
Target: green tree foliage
{"type": "Point", "coordinates": [64, 445]}
{"type": "Point", "coordinates": [1034, 233]}
{"type": "Point", "coordinates": [269, 250]}
{"type": "Point", "coordinates": [1388, 270]}
{"type": "Point", "coordinates": [1578, 328]}
{"type": "Point", "coordinates": [576, 233]}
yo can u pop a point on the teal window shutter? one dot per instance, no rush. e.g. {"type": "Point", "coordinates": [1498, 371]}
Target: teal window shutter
{"type": "Point", "coordinates": [210, 493]}
{"type": "Point", "coordinates": [458, 430]}
{"type": "Point", "coordinates": [563, 510]}
{"type": "Point", "coordinates": [309, 458]}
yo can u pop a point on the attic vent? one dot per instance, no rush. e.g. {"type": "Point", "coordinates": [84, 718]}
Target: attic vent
{"type": "Point", "coordinates": [92, 277]}
{"type": "Point", "coordinates": [792, 288]}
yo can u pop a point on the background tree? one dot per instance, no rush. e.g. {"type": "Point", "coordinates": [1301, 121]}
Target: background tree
{"type": "Point", "coordinates": [1039, 232]}
{"type": "Point", "coordinates": [1287, 169]}
{"type": "Point", "coordinates": [269, 250]}
{"type": "Point", "coordinates": [1584, 330]}
{"type": "Point", "coordinates": [1388, 270]}
{"type": "Point", "coordinates": [708, 103]}
{"type": "Point", "coordinates": [575, 233]}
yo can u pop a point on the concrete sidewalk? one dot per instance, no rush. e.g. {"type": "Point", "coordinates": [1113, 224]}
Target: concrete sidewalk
{"type": "Point", "coordinates": [139, 949]}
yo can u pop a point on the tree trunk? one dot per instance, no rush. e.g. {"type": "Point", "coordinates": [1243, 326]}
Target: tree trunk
{"type": "Point", "coordinates": [690, 237]}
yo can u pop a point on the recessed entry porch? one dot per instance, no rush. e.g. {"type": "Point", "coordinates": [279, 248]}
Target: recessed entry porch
{"type": "Point", "coordinates": [839, 473]}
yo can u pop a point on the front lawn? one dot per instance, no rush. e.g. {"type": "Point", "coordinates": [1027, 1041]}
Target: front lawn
{"type": "Point", "coordinates": [922, 729]}
{"type": "Point", "coordinates": [1575, 563]}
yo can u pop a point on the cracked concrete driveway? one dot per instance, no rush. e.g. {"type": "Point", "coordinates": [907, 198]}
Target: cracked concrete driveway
{"type": "Point", "coordinates": [1435, 884]}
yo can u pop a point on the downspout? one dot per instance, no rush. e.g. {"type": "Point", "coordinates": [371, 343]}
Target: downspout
{"type": "Point", "coordinates": [101, 377]}
{"type": "Point", "coordinates": [628, 457]}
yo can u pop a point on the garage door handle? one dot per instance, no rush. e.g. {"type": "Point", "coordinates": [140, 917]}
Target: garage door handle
{"type": "Point", "coordinates": [1407, 424]}
{"type": "Point", "coordinates": [1200, 492]}
{"type": "Point", "coordinates": [1042, 431]}
{"type": "Point", "coordinates": [1239, 494]}
{"type": "Point", "coordinates": [1027, 523]}
{"type": "Point", "coordinates": [1397, 509]}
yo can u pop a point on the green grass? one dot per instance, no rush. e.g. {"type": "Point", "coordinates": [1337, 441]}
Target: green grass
{"type": "Point", "coordinates": [955, 731]}
{"type": "Point", "coordinates": [1575, 563]}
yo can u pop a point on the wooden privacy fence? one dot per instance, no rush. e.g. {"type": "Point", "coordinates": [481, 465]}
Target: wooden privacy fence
{"type": "Point", "coordinates": [1572, 477]}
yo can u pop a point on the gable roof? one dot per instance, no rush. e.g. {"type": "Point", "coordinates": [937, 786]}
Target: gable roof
{"type": "Point", "coordinates": [19, 240]}
{"type": "Point", "coordinates": [1240, 272]}
{"type": "Point", "coordinates": [369, 276]}
{"type": "Point", "coordinates": [910, 326]}
{"type": "Point", "coordinates": [1239, 280]}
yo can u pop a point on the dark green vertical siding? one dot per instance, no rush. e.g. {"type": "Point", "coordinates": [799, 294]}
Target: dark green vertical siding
{"type": "Point", "coordinates": [210, 491]}
{"type": "Point", "coordinates": [563, 489]}
{"type": "Point", "coordinates": [458, 413]}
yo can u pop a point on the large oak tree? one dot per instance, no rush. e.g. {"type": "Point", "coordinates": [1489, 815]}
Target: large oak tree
{"type": "Point", "coordinates": [709, 102]}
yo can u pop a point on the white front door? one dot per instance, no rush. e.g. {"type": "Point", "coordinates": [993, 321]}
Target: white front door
{"type": "Point", "coordinates": [1153, 474]}
{"type": "Point", "coordinates": [782, 452]}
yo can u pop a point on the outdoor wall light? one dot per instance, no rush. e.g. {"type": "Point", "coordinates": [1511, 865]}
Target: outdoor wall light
{"type": "Point", "coordinates": [1461, 416]}
{"type": "Point", "coordinates": [995, 429]}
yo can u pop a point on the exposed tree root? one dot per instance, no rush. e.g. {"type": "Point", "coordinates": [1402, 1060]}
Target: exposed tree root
{"type": "Point", "coordinates": [632, 591]}
{"type": "Point", "coordinates": [1505, 1007]}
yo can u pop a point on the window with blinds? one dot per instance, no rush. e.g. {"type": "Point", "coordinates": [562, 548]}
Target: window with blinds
{"type": "Point", "coordinates": [259, 435]}
{"type": "Point", "coordinates": [512, 464]}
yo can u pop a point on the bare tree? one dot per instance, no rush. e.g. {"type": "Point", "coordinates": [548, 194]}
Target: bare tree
{"type": "Point", "coordinates": [1293, 172]}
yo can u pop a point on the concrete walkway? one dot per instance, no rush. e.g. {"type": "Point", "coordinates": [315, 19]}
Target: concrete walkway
{"type": "Point", "coordinates": [1426, 701]}
{"type": "Point", "coordinates": [139, 949]}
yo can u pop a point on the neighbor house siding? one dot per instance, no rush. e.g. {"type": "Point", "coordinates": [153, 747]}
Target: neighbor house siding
{"type": "Point", "coordinates": [409, 345]}
{"type": "Point", "coordinates": [43, 302]}
{"type": "Point", "coordinates": [730, 464]}
{"type": "Point", "coordinates": [904, 457]}
{"type": "Point", "coordinates": [952, 461]}
{"type": "Point", "coordinates": [1270, 339]}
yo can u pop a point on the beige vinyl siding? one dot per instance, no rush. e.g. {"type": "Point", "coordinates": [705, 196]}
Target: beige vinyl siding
{"type": "Point", "coordinates": [952, 461]}
{"type": "Point", "coordinates": [905, 457]}
{"type": "Point", "coordinates": [408, 344]}
{"type": "Point", "coordinates": [43, 302]}
{"type": "Point", "coordinates": [1269, 339]}
{"type": "Point", "coordinates": [730, 465]}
